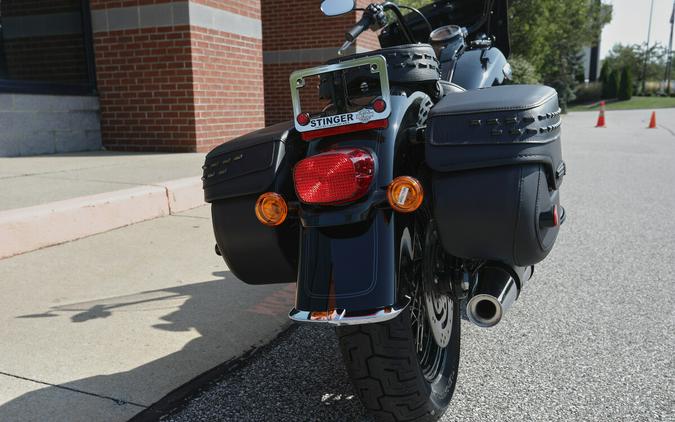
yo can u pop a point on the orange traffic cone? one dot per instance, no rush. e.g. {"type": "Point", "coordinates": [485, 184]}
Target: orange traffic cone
{"type": "Point", "coordinates": [652, 121]}
{"type": "Point", "coordinates": [601, 117]}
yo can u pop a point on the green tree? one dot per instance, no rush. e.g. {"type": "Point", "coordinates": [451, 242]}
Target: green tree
{"type": "Point", "coordinates": [413, 3]}
{"type": "Point", "coordinates": [626, 85]}
{"type": "Point", "coordinates": [613, 84]}
{"type": "Point", "coordinates": [523, 71]}
{"type": "Point", "coordinates": [633, 56]}
{"type": "Point", "coordinates": [550, 34]}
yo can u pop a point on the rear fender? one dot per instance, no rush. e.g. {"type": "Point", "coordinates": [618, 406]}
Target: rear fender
{"type": "Point", "coordinates": [350, 256]}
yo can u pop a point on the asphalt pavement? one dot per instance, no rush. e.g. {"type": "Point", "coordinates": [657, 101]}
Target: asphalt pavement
{"type": "Point", "coordinates": [592, 337]}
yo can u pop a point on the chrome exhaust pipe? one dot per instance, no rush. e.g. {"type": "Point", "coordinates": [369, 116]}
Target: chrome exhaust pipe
{"type": "Point", "coordinates": [493, 293]}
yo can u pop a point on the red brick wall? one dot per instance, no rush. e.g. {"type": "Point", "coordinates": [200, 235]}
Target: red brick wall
{"type": "Point", "coordinates": [298, 24]}
{"type": "Point", "coordinates": [228, 87]}
{"type": "Point", "coordinates": [145, 83]}
{"type": "Point", "coordinates": [182, 88]}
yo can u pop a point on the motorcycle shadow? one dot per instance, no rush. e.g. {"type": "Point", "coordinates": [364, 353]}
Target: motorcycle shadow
{"type": "Point", "coordinates": [299, 377]}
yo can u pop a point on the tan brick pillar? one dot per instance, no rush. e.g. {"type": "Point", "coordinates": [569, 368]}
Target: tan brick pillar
{"type": "Point", "coordinates": [177, 75]}
{"type": "Point", "coordinates": [297, 35]}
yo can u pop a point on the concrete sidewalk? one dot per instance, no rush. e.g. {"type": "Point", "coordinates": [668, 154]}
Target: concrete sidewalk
{"type": "Point", "coordinates": [101, 328]}
{"type": "Point", "coordinates": [29, 181]}
{"type": "Point", "coordinates": [51, 199]}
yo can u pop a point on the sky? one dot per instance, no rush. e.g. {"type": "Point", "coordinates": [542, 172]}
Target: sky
{"type": "Point", "coordinates": [630, 20]}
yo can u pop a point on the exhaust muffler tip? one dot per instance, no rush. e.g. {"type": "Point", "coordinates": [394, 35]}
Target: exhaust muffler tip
{"type": "Point", "coordinates": [493, 293]}
{"type": "Point", "coordinates": [484, 310]}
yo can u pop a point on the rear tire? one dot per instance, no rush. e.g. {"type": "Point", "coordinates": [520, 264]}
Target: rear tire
{"type": "Point", "coordinates": [383, 364]}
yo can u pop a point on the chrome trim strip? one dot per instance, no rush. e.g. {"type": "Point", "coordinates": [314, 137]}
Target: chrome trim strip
{"type": "Point", "coordinates": [175, 13]}
{"type": "Point", "coordinates": [342, 317]}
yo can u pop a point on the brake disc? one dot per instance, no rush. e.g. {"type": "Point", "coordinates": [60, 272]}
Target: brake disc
{"type": "Point", "coordinates": [439, 305]}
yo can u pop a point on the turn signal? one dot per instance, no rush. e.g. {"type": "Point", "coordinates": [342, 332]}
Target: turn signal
{"type": "Point", "coordinates": [271, 209]}
{"type": "Point", "coordinates": [405, 194]}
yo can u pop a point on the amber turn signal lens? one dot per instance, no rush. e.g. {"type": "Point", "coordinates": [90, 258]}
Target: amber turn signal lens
{"type": "Point", "coordinates": [405, 194]}
{"type": "Point", "coordinates": [271, 209]}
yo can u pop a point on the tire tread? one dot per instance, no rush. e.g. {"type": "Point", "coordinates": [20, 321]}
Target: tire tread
{"type": "Point", "coordinates": [382, 364]}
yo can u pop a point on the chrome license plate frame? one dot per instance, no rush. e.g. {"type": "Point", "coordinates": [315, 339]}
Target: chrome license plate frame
{"type": "Point", "coordinates": [378, 65]}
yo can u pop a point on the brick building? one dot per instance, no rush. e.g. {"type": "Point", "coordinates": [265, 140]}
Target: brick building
{"type": "Point", "coordinates": [153, 75]}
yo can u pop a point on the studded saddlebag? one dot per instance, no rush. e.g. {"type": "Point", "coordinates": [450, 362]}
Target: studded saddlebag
{"type": "Point", "coordinates": [497, 167]}
{"type": "Point", "coordinates": [235, 174]}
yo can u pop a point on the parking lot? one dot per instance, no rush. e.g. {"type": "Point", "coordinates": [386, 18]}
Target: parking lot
{"type": "Point", "coordinates": [591, 338]}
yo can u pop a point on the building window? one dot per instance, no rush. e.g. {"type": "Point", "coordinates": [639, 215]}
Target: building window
{"type": "Point", "coordinates": [45, 47]}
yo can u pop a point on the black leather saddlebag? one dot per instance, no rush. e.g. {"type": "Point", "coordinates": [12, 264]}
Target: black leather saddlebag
{"type": "Point", "coordinates": [497, 167]}
{"type": "Point", "coordinates": [235, 174]}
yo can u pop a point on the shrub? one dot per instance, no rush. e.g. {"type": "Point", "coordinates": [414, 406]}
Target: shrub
{"type": "Point", "coordinates": [587, 93]}
{"type": "Point", "coordinates": [580, 76]}
{"type": "Point", "coordinates": [613, 84]}
{"type": "Point", "coordinates": [565, 93]}
{"type": "Point", "coordinates": [606, 90]}
{"type": "Point", "coordinates": [523, 71]}
{"type": "Point", "coordinates": [604, 72]}
{"type": "Point", "coordinates": [626, 85]}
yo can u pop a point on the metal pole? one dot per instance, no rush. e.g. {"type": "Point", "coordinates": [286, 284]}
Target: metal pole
{"type": "Point", "coordinates": [669, 66]}
{"type": "Point", "coordinates": [649, 33]}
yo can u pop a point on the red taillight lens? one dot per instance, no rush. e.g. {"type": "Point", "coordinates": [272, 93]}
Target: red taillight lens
{"type": "Point", "coordinates": [379, 105]}
{"type": "Point", "coordinates": [303, 119]}
{"type": "Point", "coordinates": [334, 177]}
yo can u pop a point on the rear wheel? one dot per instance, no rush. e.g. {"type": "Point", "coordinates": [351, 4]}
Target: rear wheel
{"type": "Point", "coordinates": [406, 368]}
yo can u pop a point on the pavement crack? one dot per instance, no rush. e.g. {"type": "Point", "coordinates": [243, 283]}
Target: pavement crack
{"type": "Point", "coordinates": [190, 216]}
{"type": "Point", "coordinates": [119, 402]}
{"type": "Point", "coordinates": [168, 199]}
{"type": "Point", "coordinates": [668, 129]}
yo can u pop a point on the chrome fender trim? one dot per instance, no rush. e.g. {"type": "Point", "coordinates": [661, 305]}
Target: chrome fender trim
{"type": "Point", "coordinates": [344, 317]}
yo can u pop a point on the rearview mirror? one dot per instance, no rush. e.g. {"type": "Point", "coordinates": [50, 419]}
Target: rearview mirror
{"type": "Point", "coordinates": [337, 7]}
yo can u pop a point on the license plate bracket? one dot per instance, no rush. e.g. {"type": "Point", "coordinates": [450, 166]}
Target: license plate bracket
{"type": "Point", "coordinates": [340, 94]}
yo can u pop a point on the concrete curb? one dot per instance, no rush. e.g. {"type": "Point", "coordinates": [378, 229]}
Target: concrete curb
{"type": "Point", "coordinates": [184, 194]}
{"type": "Point", "coordinates": [27, 229]}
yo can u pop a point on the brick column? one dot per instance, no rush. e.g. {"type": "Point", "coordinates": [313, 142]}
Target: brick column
{"type": "Point", "coordinates": [177, 76]}
{"type": "Point", "coordinates": [297, 35]}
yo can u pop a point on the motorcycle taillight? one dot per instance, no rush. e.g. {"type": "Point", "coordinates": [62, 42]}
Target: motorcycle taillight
{"type": "Point", "coordinates": [334, 177]}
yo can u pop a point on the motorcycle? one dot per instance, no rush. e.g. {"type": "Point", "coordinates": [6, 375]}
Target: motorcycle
{"type": "Point", "coordinates": [413, 178]}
